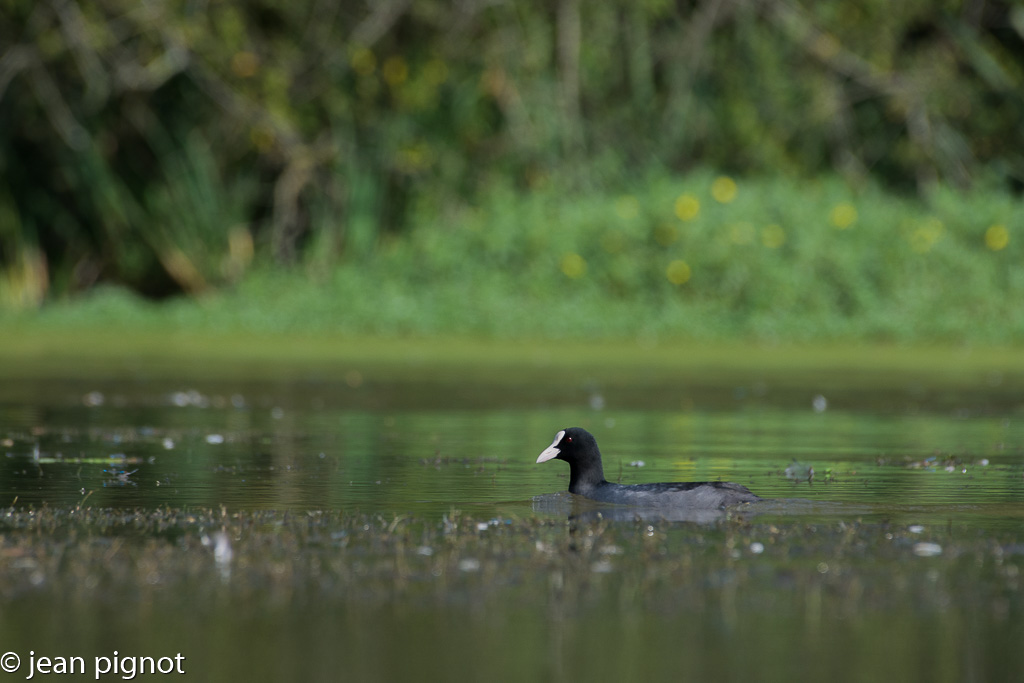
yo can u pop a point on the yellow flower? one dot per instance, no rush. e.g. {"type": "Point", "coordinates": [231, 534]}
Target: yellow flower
{"type": "Point", "coordinates": [997, 237]}
{"type": "Point", "coordinates": [573, 266]}
{"type": "Point", "coordinates": [678, 272]}
{"type": "Point", "coordinates": [773, 236]}
{"type": "Point", "coordinates": [723, 189]}
{"type": "Point", "coordinates": [843, 215]}
{"type": "Point", "coordinates": [687, 207]}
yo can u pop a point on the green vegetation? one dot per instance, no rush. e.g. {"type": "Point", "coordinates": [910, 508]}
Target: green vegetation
{"type": "Point", "coordinates": [768, 260]}
{"type": "Point", "coordinates": [524, 170]}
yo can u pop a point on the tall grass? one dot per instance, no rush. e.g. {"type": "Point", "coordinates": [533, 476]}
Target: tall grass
{"type": "Point", "coordinates": [701, 257]}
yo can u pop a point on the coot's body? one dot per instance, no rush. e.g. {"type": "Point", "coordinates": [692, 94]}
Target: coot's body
{"type": "Point", "coordinates": [578, 447]}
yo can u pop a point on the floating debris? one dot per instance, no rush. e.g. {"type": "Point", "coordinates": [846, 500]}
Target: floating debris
{"type": "Point", "coordinates": [949, 463]}
{"type": "Point", "coordinates": [469, 564]}
{"type": "Point", "coordinates": [924, 549]}
{"type": "Point", "coordinates": [120, 477]}
{"type": "Point", "coordinates": [184, 399]}
{"type": "Point", "coordinates": [222, 554]}
{"type": "Point", "coordinates": [798, 471]}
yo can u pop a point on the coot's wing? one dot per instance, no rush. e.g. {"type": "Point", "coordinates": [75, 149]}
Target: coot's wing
{"type": "Point", "coordinates": [674, 486]}
{"type": "Point", "coordinates": [682, 494]}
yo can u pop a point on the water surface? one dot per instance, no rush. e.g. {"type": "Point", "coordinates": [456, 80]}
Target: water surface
{"type": "Point", "coordinates": [369, 526]}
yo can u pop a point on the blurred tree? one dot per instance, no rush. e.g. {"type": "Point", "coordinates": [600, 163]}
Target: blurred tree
{"type": "Point", "coordinates": [165, 144]}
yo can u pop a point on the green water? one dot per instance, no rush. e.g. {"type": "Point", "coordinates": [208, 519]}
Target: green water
{"type": "Point", "coordinates": [374, 527]}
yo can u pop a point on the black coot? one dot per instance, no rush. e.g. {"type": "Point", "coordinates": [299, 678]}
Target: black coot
{"type": "Point", "coordinates": [578, 447]}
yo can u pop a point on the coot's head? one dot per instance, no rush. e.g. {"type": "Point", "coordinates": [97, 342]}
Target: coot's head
{"type": "Point", "coordinates": [577, 447]}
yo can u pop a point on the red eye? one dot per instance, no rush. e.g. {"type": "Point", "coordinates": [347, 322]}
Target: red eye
{"type": "Point", "coordinates": [568, 439]}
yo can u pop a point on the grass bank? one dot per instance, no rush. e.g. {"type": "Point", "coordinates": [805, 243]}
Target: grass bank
{"type": "Point", "coordinates": [701, 259]}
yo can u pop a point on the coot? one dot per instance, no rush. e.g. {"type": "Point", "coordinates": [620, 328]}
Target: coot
{"type": "Point", "coordinates": [578, 447]}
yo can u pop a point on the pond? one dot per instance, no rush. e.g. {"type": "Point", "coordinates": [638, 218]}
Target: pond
{"type": "Point", "coordinates": [377, 523]}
